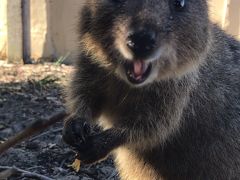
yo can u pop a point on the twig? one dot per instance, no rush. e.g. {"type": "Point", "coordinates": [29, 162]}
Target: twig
{"type": "Point", "coordinates": [33, 129]}
{"type": "Point", "coordinates": [25, 173]}
{"type": "Point", "coordinates": [46, 133]}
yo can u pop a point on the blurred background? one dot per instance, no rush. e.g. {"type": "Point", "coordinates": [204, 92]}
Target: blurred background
{"type": "Point", "coordinates": [45, 30]}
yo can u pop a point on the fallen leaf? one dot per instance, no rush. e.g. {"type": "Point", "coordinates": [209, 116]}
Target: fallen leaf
{"type": "Point", "coordinates": [76, 165]}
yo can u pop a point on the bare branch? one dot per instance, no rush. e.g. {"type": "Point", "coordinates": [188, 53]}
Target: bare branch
{"type": "Point", "coordinates": [33, 129]}
{"type": "Point", "coordinates": [10, 171]}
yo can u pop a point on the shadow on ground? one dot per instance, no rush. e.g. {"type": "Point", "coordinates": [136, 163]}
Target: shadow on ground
{"type": "Point", "coordinates": [29, 100]}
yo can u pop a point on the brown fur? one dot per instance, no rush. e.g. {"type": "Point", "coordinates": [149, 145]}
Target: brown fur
{"type": "Point", "coordinates": [182, 122]}
{"type": "Point", "coordinates": [135, 168]}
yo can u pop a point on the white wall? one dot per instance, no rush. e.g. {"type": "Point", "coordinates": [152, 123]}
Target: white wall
{"type": "Point", "coordinates": [3, 29]}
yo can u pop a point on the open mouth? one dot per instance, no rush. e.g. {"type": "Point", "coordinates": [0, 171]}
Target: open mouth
{"type": "Point", "coordinates": [138, 71]}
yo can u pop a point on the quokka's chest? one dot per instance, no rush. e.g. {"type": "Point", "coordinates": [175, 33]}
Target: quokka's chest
{"type": "Point", "coordinates": [131, 167]}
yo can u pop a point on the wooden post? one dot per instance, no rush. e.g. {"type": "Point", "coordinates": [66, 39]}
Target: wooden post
{"type": "Point", "coordinates": [15, 31]}
{"type": "Point", "coordinates": [3, 29]}
{"type": "Point", "coordinates": [232, 22]}
{"type": "Point", "coordinates": [218, 11]}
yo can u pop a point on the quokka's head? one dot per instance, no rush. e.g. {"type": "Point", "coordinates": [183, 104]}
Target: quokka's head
{"type": "Point", "coordinates": [143, 41]}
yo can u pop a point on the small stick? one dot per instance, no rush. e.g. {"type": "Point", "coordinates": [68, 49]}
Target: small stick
{"type": "Point", "coordinates": [25, 173]}
{"type": "Point", "coordinates": [33, 129]}
{"type": "Point", "coordinates": [46, 133]}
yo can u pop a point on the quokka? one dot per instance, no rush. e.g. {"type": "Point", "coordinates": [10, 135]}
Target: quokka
{"type": "Point", "coordinates": [163, 82]}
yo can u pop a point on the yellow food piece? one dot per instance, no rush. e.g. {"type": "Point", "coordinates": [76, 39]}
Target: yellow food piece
{"type": "Point", "coordinates": [76, 165]}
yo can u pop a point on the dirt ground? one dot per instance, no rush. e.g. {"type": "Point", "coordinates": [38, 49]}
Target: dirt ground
{"type": "Point", "coordinates": [29, 93]}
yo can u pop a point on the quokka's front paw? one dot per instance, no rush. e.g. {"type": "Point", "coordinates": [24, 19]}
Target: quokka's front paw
{"type": "Point", "coordinates": [76, 132]}
{"type": "Point", "coordinates": [94, 149]}
{"type": "Point", "coordinates": [90, 146]}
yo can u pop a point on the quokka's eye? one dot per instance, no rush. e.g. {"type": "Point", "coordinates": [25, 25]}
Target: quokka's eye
{"type": "Point", "coordinates": [179, 4]}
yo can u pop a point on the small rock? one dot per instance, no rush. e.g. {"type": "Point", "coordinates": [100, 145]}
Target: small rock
{"type": "Point", "coordinates": [59, 140]}
{"type": "Point", "coordinates": [18, 127]}
{"type": "Point", "coordinates": [7, 132]}
{"type": "Point", "coordinates": [72, 177]}
{"type": "Point", "coordinates": [32, 145]}
{"type": "Point", "coordinates": [86, 178]}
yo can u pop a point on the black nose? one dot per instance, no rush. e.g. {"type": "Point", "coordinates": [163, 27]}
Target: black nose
{"type": "Point", "coordinates": [142, 43]}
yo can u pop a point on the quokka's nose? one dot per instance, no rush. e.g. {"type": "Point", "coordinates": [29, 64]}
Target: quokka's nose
{"type": "Point", "coordinates": [142, 43]}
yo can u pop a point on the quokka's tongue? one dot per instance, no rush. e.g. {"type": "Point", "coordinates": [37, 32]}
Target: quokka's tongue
{"type": "Point", "coordinates": [139, 68]}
